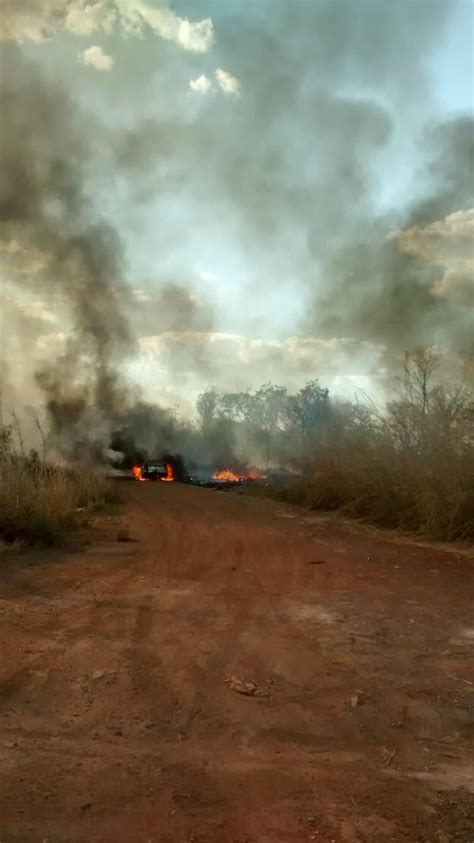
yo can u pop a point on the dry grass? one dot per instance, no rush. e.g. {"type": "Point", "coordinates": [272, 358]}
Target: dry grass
{"type": "Point", "coordinates": [409, 468]}
{"type": "Point", "coordinates": [40, 505]}
{"type": "Point", "coordinates": [383, 485]}
{"type": "Point", "coordinates": [394, 490]}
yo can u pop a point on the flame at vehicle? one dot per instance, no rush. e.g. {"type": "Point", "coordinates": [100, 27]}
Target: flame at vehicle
{"type": "Point", "coordinates": [137, 473]}
{"type": "Point", "coordinates": [169, 474]}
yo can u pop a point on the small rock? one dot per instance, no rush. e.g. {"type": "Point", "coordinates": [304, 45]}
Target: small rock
{"type": "Point", "coordinates": [98, 674]}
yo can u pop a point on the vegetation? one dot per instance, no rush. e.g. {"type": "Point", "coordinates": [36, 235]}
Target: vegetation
{"type": "Point", "coordinates": [410, 467]}
{"type": "Point", "coordinates": [39, 503]}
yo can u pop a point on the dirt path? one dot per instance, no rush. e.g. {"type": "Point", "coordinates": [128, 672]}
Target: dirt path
{"type": "Point", "coordinates": [122, 667]}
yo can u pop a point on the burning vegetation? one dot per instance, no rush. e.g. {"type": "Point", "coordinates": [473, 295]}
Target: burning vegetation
{"type": "Point", "coordinates": [409, 466]}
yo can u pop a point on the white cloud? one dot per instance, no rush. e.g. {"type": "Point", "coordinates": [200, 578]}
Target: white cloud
{"type": "Point", "coordinates": [184, 362]}
{"type": "Point", "coordinates": [232, 361]}
{"type": "Point", "coordinates": [201, 85]}
{"type": "Point", "coordinates": [447, 244]}
{"type": "Point", "coordinates": [84, 18]}
{"type": "Point", "coordinates": [228, 83]}
{"type": "Point", "coordinates": [38, 20]}
{"type": "Point", "coordinates": [96, 58]}
{"type": "Point", "coordinates": [196, 37]}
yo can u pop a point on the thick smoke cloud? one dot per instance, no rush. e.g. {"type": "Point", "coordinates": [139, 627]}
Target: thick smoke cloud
{"type": "Point", "coordinates": [392, 295]}
{"type": "Point", "coordinates": [333, 96]}
{"type": "Point", "coordinates": [44, 206]}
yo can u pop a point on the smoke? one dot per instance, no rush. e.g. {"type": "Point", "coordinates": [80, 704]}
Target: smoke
{"type": "Point", "coordinates": [306, 175]}
{"type": "Point", "coordinates": [308, 188]}
{"type": "Point", "coordinates": [45, 207]}
{"type": "Point", "coordinates": [383, 291]}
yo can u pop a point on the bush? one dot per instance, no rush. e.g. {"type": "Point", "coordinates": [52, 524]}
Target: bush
{"type": "Point", "coordinates": [39, 504]}
{"type": "Point", "coordinates": [374, 479]}
{"type": "Point", "coordinates": [410, 467]}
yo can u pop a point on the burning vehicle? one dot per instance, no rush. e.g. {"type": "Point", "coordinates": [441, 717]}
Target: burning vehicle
{"type": "Point", "coordinates": [171, 467]}
{"type": "Point", "coordinates": [154, 470]}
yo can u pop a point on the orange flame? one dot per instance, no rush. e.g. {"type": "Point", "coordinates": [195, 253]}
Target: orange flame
{"type": "Point", "coordinates": [230, 476]}
{"type": "Point", "coordinates": [169, 474]}
{"type": "Point", "coordinates": [137, 473]}
{"type": "Point", "coordinates": [227, 475]}
{"type": "Point", "coordinates": [256, 475]}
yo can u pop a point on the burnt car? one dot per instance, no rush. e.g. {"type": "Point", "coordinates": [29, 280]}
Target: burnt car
{"type": "Point", "coordinates": [154, 470]}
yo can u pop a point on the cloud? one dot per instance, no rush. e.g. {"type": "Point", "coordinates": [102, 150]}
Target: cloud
{"type": "Point", "coordinates": [29, 20]}
{"type": "Point", "coordinates": [38, 20]}
{"type": "Point", "coordinates": [201, 85]}
{"type": "Point", "coordinates": [229, 84]}
{"type": "Point", "coordinates": [448, 245]}
{"type": "Point", "coordinates": [197, 37]}
{"type": "Point", "coordinates": [16, 261]}
{"type": "Point", "coordinates": [84, 18]}
{"type": "Point", "coordinates": [231, 361]}
{"type": "Point", "coordinates": [96, 58]}
{"type": "Point", "coordinates": [431, 242]}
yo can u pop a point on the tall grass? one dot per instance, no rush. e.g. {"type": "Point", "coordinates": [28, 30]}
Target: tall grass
{"type": "Point", "coordinates": [377, 482]}
{"type": "Point", "coordinates": [410, 467]}
{"type": "Point", "coordinates": [40, 504]}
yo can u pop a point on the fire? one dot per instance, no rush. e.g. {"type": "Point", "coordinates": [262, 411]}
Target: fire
{"type": "Point", "coordinates": [169, 474]}
{"type": "Point", "coordinates": [137, 473]}
{"type": "Point", "coordinates": [228, 475]}
{"type": "Point", "coordinates": [256, 475]}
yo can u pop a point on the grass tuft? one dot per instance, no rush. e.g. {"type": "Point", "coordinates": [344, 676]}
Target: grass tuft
{"type": "Point", "coordinates": [40, 504]}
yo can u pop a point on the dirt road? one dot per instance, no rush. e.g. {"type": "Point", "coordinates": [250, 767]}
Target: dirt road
{"type": "Point", "coordinates": [238, 673]}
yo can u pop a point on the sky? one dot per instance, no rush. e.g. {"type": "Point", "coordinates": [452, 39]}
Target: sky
{"type": "Point", "coordinates": [289, 185]}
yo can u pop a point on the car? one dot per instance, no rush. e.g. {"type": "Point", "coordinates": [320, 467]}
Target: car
{"type": "Point", "coordinates": [154, 470]}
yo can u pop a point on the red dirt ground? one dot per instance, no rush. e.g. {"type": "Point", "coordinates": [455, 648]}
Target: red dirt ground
{"type": "Point", "coordinates": [122, 666]}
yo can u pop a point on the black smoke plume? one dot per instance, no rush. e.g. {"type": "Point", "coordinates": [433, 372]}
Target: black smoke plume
{"type": "Point", "coordinates": [46, 145]}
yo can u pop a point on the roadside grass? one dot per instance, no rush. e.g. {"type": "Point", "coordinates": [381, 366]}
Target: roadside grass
{"type": "Point", "coordinates": [39, 504]}
{"type": "Point", "coordinates": [380, 485]}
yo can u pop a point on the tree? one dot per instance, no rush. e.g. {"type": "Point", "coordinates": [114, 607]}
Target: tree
{"type": "Point", "coordinates": [418, 372]}
{"type": "Point", "coordinates": [6, 441]}
{"type": "Point", "coordinates": [266, 415]}
{"type": "Point", "coordinates": [309, 411]}
{"type": "Point", "coordinates": [206, 406]}
{"type": "Point", "coordinates": [408, 415]}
